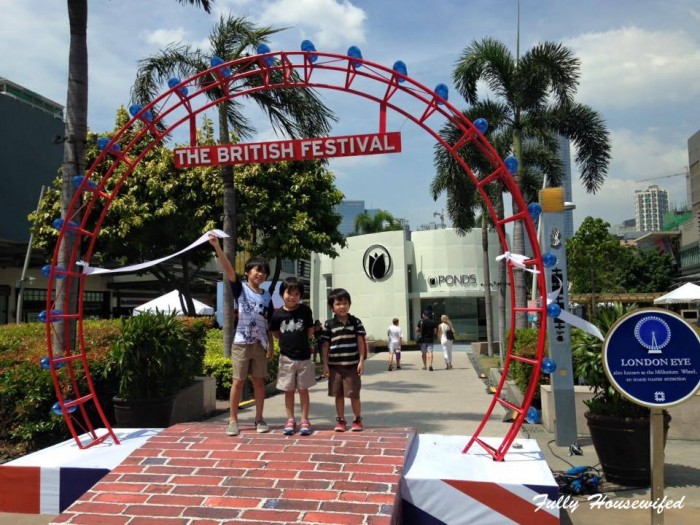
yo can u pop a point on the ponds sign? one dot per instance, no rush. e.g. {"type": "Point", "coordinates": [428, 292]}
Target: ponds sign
{"type": "Point", "coordinates": [288, 150]}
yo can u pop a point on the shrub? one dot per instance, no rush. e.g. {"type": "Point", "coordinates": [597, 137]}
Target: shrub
{"type": "Point", "coordinates": [525, 345]}
{"type": "Point", "coordinates": [27, 392]}
{"type": "Point", "coordinates": [156, 355]}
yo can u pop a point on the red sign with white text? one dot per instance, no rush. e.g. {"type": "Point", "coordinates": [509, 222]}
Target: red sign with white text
{"type": "Point", "coordinates": [287, 150]}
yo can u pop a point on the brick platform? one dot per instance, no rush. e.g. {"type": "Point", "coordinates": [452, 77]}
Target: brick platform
{"type": "Point", "coordinates": [193, 474]}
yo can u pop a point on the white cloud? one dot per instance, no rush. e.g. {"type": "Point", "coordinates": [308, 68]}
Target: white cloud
{"type": "Point", "coordinates": [631, 66]}
{"type": "Point", "coordinates": [162, 38]}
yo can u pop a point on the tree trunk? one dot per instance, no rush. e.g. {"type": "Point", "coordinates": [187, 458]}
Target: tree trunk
{"type": "Point", "coordinates": [502, 284]}
{"type": "Point", "coordinates": [518, 234]}
{"type": "Point", "coordinates": [229, 229]}
{"type": "Point", "coordinates": [73, 161]}
{"type": "Point", "coordinates": [276, 274]}
{"type": "Point", "coordinates": [487, 282]}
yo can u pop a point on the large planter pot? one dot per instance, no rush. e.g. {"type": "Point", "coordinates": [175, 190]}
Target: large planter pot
{"type": "Point", "coordinates": [623, 447]}
{"type": "Point", "coordinates": [141, 413]}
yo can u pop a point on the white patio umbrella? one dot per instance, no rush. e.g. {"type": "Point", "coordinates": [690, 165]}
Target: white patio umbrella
{"type": "Point", "coordinates": [688, 293]}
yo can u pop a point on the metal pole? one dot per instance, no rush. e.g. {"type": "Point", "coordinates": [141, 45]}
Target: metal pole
{"type": "Point", "coordinates": [656, 435]}
{"type": "Point", "coordinates": [27, 258]}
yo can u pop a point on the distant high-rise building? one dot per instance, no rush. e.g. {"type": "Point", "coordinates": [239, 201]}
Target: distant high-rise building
{"type": "Point", "coordinates": [650, 206]}
{"type": "Point", "coordinates": [349, 210]}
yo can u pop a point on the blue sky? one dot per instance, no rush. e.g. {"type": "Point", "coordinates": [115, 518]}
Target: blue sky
{"type": "Point", "coordinates": [640, 70]}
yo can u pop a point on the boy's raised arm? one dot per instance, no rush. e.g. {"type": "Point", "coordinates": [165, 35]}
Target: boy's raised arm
{"type": "Point", "coordinates": [223, 260]}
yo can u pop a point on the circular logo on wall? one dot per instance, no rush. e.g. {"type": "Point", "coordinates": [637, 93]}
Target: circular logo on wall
{"type": "Point", "coordinates": [377, 263]}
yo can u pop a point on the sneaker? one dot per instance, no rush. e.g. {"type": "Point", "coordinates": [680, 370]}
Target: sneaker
{"type": "Point", "coordinates": [357, 425]}
{"type": "Point", "coordinates": [430, 368]}
{"type": "Point", "coordinates": [305, 428]}
{"type": "Point", "coordinates": [232, 428]}
{"type": "Point", "coordinates": [341, 425]}
{"type": "Point", "coordinates": [390, 368]}
{"type": "Point", "coordinates": [424, 368]}
{"type": "Point", "coordinates": [261, 427]}
{"type": "Point", "coordinates": [289, 427]}
{"type": "Point", "coordinates": [398, 367]}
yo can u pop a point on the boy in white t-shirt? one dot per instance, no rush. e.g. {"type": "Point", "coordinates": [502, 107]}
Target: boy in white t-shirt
{"type": "Point", "coordinates": [395, 336]}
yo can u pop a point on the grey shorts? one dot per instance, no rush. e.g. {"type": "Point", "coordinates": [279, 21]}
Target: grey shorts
{"type": "Point", "coordinates": [344, 381]}
{"type": "Point", "coordinates": [394, 347]}
{"type": "Point", "coordinates": [247, 359]}
{"type": "Point", "coordinates": [426, 348]}
{"type": "Point", "coordinates": [294, 374]}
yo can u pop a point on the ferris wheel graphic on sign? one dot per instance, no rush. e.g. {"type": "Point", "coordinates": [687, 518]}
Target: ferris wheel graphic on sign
{"type": "Point", "coordinates": [653, 333]}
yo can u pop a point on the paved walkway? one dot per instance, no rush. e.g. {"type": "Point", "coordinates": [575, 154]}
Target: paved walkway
{"type": "Point", "coordinates": [453, 402]}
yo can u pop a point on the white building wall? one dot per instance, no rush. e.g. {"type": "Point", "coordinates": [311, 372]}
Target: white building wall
{"type": "Point", "coordinates": [442, 265]}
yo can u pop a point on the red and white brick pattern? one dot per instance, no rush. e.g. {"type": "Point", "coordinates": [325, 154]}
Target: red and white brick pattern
{"type": "Point", "coordinates": [193, 474]}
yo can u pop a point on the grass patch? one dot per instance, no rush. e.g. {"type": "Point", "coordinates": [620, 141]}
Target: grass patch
{"type": "Point", "coordinates": [486, 363]}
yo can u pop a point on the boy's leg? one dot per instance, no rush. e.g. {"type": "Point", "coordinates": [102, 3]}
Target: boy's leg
{"type": "Point", "coordinates": [305, 402]}
{"type": "Point", "coordinates": [398, 359]}
{"type": "Point", "coordinates": [340, 406]}
{"type": "Point", "coordinates": [259, 395]}
{"type": "Point", "coordinates": [356, 407]}
{"type": "Point", "coordinates": [289, 404]}
{"type": "Point", "coordinates": [235, 398]}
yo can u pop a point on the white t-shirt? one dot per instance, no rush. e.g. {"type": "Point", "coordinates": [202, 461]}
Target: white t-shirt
{"type": "Point", "coordinates": [395, 334]}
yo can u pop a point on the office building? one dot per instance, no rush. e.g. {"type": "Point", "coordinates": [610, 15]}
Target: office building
{"type": "Point", "coordinates": [650, 206]}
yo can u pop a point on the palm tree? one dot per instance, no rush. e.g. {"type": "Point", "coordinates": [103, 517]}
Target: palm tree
{"type": "Point", "coordinates": [74, 145]}
{"type": "Point", "coordinates": [294, 112]}
{"type": "Point", "coordinates": [536, 93]}
{"type": "Point", "coordinates": [382, 221]}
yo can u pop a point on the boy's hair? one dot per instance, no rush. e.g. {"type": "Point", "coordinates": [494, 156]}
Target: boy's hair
{"type": "Point", "coordinates": [395, 320]}
{"type": "Point", "coordinates": [257, 261]}
{"type": "Point", "coordinates": [338, 294]}
{"type": "Point", "coordinates": [292, 284]}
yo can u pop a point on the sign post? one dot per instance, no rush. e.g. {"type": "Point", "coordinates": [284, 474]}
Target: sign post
{"type": "Point", "coordinates": [652, 357]}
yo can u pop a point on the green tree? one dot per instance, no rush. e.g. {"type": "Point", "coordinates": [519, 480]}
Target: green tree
{"type": "Point", "coordinates": [645, 271]}
{"type": "Point", "coordinates": [536, 93]}
{"type": "Point", "coordinates": [76, 129]}
{"type": "Point", "coordinates": [157, 211]}
{"type": "Point", "coordinates": [287, 211]}
{"type": "Point", "coordinates": [294, 111]}
{"type": "Point", "coordinates": [382, 221]}
{"type": "Point", "coordinates": [593, 257]}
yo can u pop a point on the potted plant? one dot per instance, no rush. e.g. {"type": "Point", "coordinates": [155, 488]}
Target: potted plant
{"type": "Point", "coordinates": [151, 361]}
{"type": "Point", "coordinates": [619, 428]}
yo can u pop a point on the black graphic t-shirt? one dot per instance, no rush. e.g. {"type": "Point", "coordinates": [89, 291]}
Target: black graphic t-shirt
{"type": "Point", "coordinates": [293, 327]}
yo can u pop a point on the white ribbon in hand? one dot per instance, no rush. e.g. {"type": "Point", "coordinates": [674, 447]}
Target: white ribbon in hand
{"type": "Point", "coordinates": [91, 270]}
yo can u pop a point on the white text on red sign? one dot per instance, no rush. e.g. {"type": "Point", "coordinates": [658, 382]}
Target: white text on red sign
{"type": "Point", "coordinates": [289, 150]}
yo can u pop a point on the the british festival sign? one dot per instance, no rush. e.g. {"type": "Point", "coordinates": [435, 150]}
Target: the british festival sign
{"type": "Point", "coordinates": [652, 356]}
{"type": "Point", "coordinates": [288, 150]}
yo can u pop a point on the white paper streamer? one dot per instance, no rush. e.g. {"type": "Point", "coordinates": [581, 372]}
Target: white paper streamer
{"type": "Point", "coordinates": [572, 319]}
{"type": "Point", "coordinates": [92, 270]}
{"type": "Point", "coordinates": [517, 260]}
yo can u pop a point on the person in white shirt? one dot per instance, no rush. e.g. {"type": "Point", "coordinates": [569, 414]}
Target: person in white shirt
{"type": "Point", "coordinates": [446, 333]}
{"type": "Point", "coordinates": [395, 336]}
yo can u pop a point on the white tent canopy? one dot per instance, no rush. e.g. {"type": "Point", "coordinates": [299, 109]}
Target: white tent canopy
{"type": "Point", "coordinates": [170, 302]}
{"type": "Point", "coordinates": [688, 293]}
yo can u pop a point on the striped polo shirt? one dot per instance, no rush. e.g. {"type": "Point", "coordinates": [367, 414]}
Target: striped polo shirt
{"type": "Point", "coordinates": [343, 349]}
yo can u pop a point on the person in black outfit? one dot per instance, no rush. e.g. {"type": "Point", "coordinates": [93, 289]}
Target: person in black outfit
{"type": "Point", "coordinates": [427, 330]}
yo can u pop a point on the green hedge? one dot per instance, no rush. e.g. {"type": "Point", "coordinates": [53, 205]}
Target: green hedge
{"type": "Point", "coordinates": [525, 345]}
{"type": "Point", "coordinates": [27, 391]}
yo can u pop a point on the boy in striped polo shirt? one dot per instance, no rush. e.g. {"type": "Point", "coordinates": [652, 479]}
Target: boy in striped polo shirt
{"type": "Point", "coordinates": [343, 358]}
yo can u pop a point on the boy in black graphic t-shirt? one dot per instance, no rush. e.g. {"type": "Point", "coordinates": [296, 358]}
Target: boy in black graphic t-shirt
{"type": "Point", "coordinates": [293, 325]}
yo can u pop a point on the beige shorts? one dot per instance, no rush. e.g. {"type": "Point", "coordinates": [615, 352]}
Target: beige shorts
{"type": "Point", "coordinates": [295, 374]}
{"type": "Point", "coordinates": [344, 381]}
{"type": "Point", "coordinates": [249, 359]}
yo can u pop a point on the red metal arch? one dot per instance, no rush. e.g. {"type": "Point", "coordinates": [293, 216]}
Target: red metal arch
{"type": "Point", "coordinates": [181, 104]}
